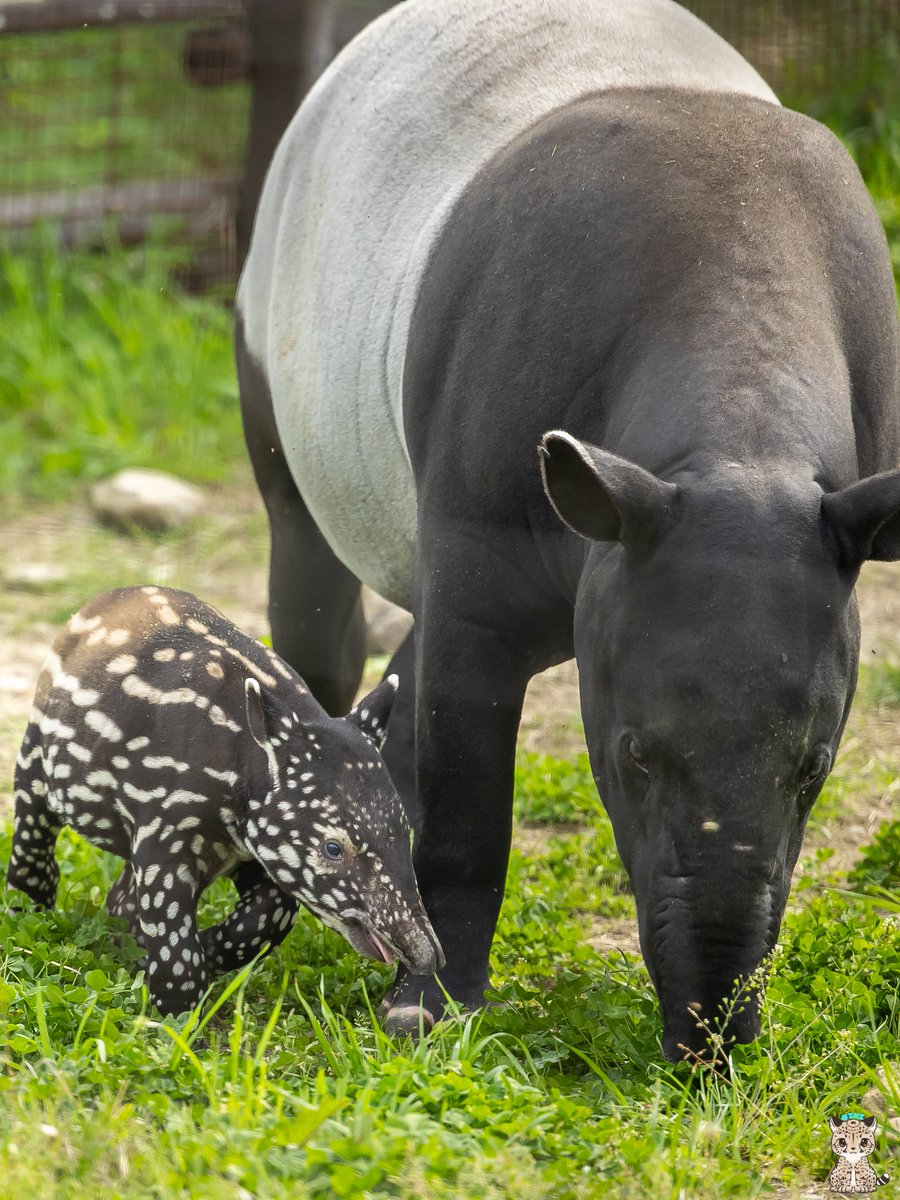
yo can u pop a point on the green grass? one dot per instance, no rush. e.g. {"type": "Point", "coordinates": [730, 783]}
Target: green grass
{"type": "Point", "coordinates": [105, 364]}
{"type": "Point", "coordinates": [881, 687]}
{"type": "Point", "coordinates": [285, 1086]}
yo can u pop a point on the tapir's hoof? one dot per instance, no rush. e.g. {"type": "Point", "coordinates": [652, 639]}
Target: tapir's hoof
{"type": "Point", "coordinates": [407, 1020]}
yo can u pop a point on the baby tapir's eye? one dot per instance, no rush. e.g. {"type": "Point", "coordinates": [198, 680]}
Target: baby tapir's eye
{"type": "Point", "coordinates": [334, 850]}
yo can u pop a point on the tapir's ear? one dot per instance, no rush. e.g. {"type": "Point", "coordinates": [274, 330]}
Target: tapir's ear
{"type": "Point", "coordinates": [257, 716]}
{"type": "Point", "coordinates": [866, 518]}
{"type": "Point", "coordinates": [600, 495]}
{"type": "Point", "coordinates": [372, 713]}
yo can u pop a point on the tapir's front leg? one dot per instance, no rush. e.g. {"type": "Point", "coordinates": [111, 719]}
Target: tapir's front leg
{"type": "Point", "coordinates": [166, 893]}
{"type": "Point", "coordinates": [263, 915]}
{"type": "Point", "coordinates": [399, 750]}
{"type": "Point", "coordinates": [470, 691]}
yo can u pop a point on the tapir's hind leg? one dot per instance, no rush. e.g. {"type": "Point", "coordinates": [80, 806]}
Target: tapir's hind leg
{"type": "Point", "coordinates": [32, 864]}
{"type": "Point", "coordinates": [315, 608]}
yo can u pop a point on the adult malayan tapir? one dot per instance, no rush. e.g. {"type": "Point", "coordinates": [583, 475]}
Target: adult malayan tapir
{"type": "Point", "coordinates": [518, 249]}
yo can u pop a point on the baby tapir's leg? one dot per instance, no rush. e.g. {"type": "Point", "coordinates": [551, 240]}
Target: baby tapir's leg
{"type": "Point", "coordinates": [32, 864]}
{"type": "Point", "coordinates": [262, 914]}
{"type": "Point", "coordinates": [166, 894]}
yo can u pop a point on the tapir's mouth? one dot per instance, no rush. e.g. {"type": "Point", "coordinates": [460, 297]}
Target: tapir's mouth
{"type": "Point", "coordinates": [367, 942]}
{"type": "Point", "coordinates": [419, 949]}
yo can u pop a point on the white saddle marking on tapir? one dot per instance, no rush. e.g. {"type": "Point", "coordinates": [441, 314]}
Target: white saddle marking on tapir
{"type": "Point", "coordinates": [358, 190]}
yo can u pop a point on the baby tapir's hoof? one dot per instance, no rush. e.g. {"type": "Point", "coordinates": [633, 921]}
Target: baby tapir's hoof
{"type": "Point", "coordinates": [165, 735]}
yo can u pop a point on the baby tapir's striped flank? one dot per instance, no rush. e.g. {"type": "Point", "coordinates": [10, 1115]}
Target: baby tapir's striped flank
{"type": "Point", "coordinates": [162, 733]}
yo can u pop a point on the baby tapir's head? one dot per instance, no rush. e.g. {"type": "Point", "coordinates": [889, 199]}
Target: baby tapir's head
{"type": "Point", "coordinates": [331, 830]}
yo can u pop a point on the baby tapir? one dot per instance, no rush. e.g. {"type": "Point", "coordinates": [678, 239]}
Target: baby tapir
{"type": "Point", "coordinates": [162, 733]}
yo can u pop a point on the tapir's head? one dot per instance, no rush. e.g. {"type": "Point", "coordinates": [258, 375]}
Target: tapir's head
{"type": "Point", "coordinates": [331, 830]}
{"type": "Point", "coordinates": [717, 640]}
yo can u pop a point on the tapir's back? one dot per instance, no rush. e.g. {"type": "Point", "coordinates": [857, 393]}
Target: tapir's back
{"type": "Point", "coordinates": [359, 188]}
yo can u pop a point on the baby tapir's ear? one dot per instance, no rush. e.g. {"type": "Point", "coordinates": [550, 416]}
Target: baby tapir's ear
{"type": "Point", "coordinates": [372, 713]}
{"type": "Point", "coordinates": [259, 722]}
{"type": "Point", "coordinates": [258, 717]}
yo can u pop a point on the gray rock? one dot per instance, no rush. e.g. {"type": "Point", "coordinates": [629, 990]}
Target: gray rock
{"type": "Point", "coordinates": [35, 576]}
{"type": "Point", "coordinates": [386, 624]}
{"type": "Point", "coordinates": [16, 682]}
{"type": "Point", "coordinates": [149, 499]}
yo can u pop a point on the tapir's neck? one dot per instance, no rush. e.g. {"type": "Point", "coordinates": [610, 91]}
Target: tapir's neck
{"type": "Point", "coordinates": [680, 408]}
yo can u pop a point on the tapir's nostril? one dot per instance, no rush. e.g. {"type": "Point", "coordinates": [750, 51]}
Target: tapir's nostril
{"type": "Point", "coordinates": [428, 960]}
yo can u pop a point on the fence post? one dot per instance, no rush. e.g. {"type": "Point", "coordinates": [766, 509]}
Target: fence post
{"type": "Point", "coordinates": [291, 41]}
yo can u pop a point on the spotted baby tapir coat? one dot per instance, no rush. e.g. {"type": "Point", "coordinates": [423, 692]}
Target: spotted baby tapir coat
{"type": "Point", "coordinates": [162, 733]}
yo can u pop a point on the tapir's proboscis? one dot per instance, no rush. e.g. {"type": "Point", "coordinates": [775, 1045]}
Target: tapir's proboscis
{"type": "Point", "coordinates": [518, 249]}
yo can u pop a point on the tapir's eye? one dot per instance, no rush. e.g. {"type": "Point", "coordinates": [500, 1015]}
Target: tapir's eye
{"type": "Point", "coordinates": [636, 754]}
{"type": "Point", "coordinates": [816, 769]}
{"type": "Point", "coordinates": [334, 850]}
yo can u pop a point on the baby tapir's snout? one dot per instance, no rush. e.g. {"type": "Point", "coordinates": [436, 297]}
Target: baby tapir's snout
{"type": "Point", "coordinates": [336, 835]}
{"type": "Point", "coordinates": [164, 734]}
{"type": "Point", "coordinates": [394, 924]}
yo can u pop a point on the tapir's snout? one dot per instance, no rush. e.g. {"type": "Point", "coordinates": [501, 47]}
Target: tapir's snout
{"type": "Point", "coordinates": [419, 950]}
{"type": "Point", "coordinates": [696, 1034]}
{"type": "Point", "coordinates": [704, 950]}
{"type": "Point", "coordinates": [399, 918]}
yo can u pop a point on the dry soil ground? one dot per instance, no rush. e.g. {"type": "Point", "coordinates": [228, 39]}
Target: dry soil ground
{"type": "Point", "coordinates": [54, 558]}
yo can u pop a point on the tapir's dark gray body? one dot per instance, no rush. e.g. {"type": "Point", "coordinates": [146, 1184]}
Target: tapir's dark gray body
{"type": "Point", "coordinates": [644, 253]}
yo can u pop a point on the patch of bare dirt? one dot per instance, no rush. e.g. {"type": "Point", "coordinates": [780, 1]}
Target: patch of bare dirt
{"type": "Point", "coordinates": [531, 840]}
{"type": "Point", "coordinates": [614, 935]}
{"type": "Point", "coordinates": [551, 718]}
{"type": "Point", "coordinates": [878, 594]}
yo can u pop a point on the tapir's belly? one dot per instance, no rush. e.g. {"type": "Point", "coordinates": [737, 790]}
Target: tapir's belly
{"type": "Point", "coordinates": [358, 191]}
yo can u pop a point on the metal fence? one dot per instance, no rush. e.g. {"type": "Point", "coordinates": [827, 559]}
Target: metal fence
{"type": "Point", "coordinates": [112, 119]}
{"type": "Point", "coordinates": [815, 52]}
{"type": "Point", "coordinates": [138, 110]}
